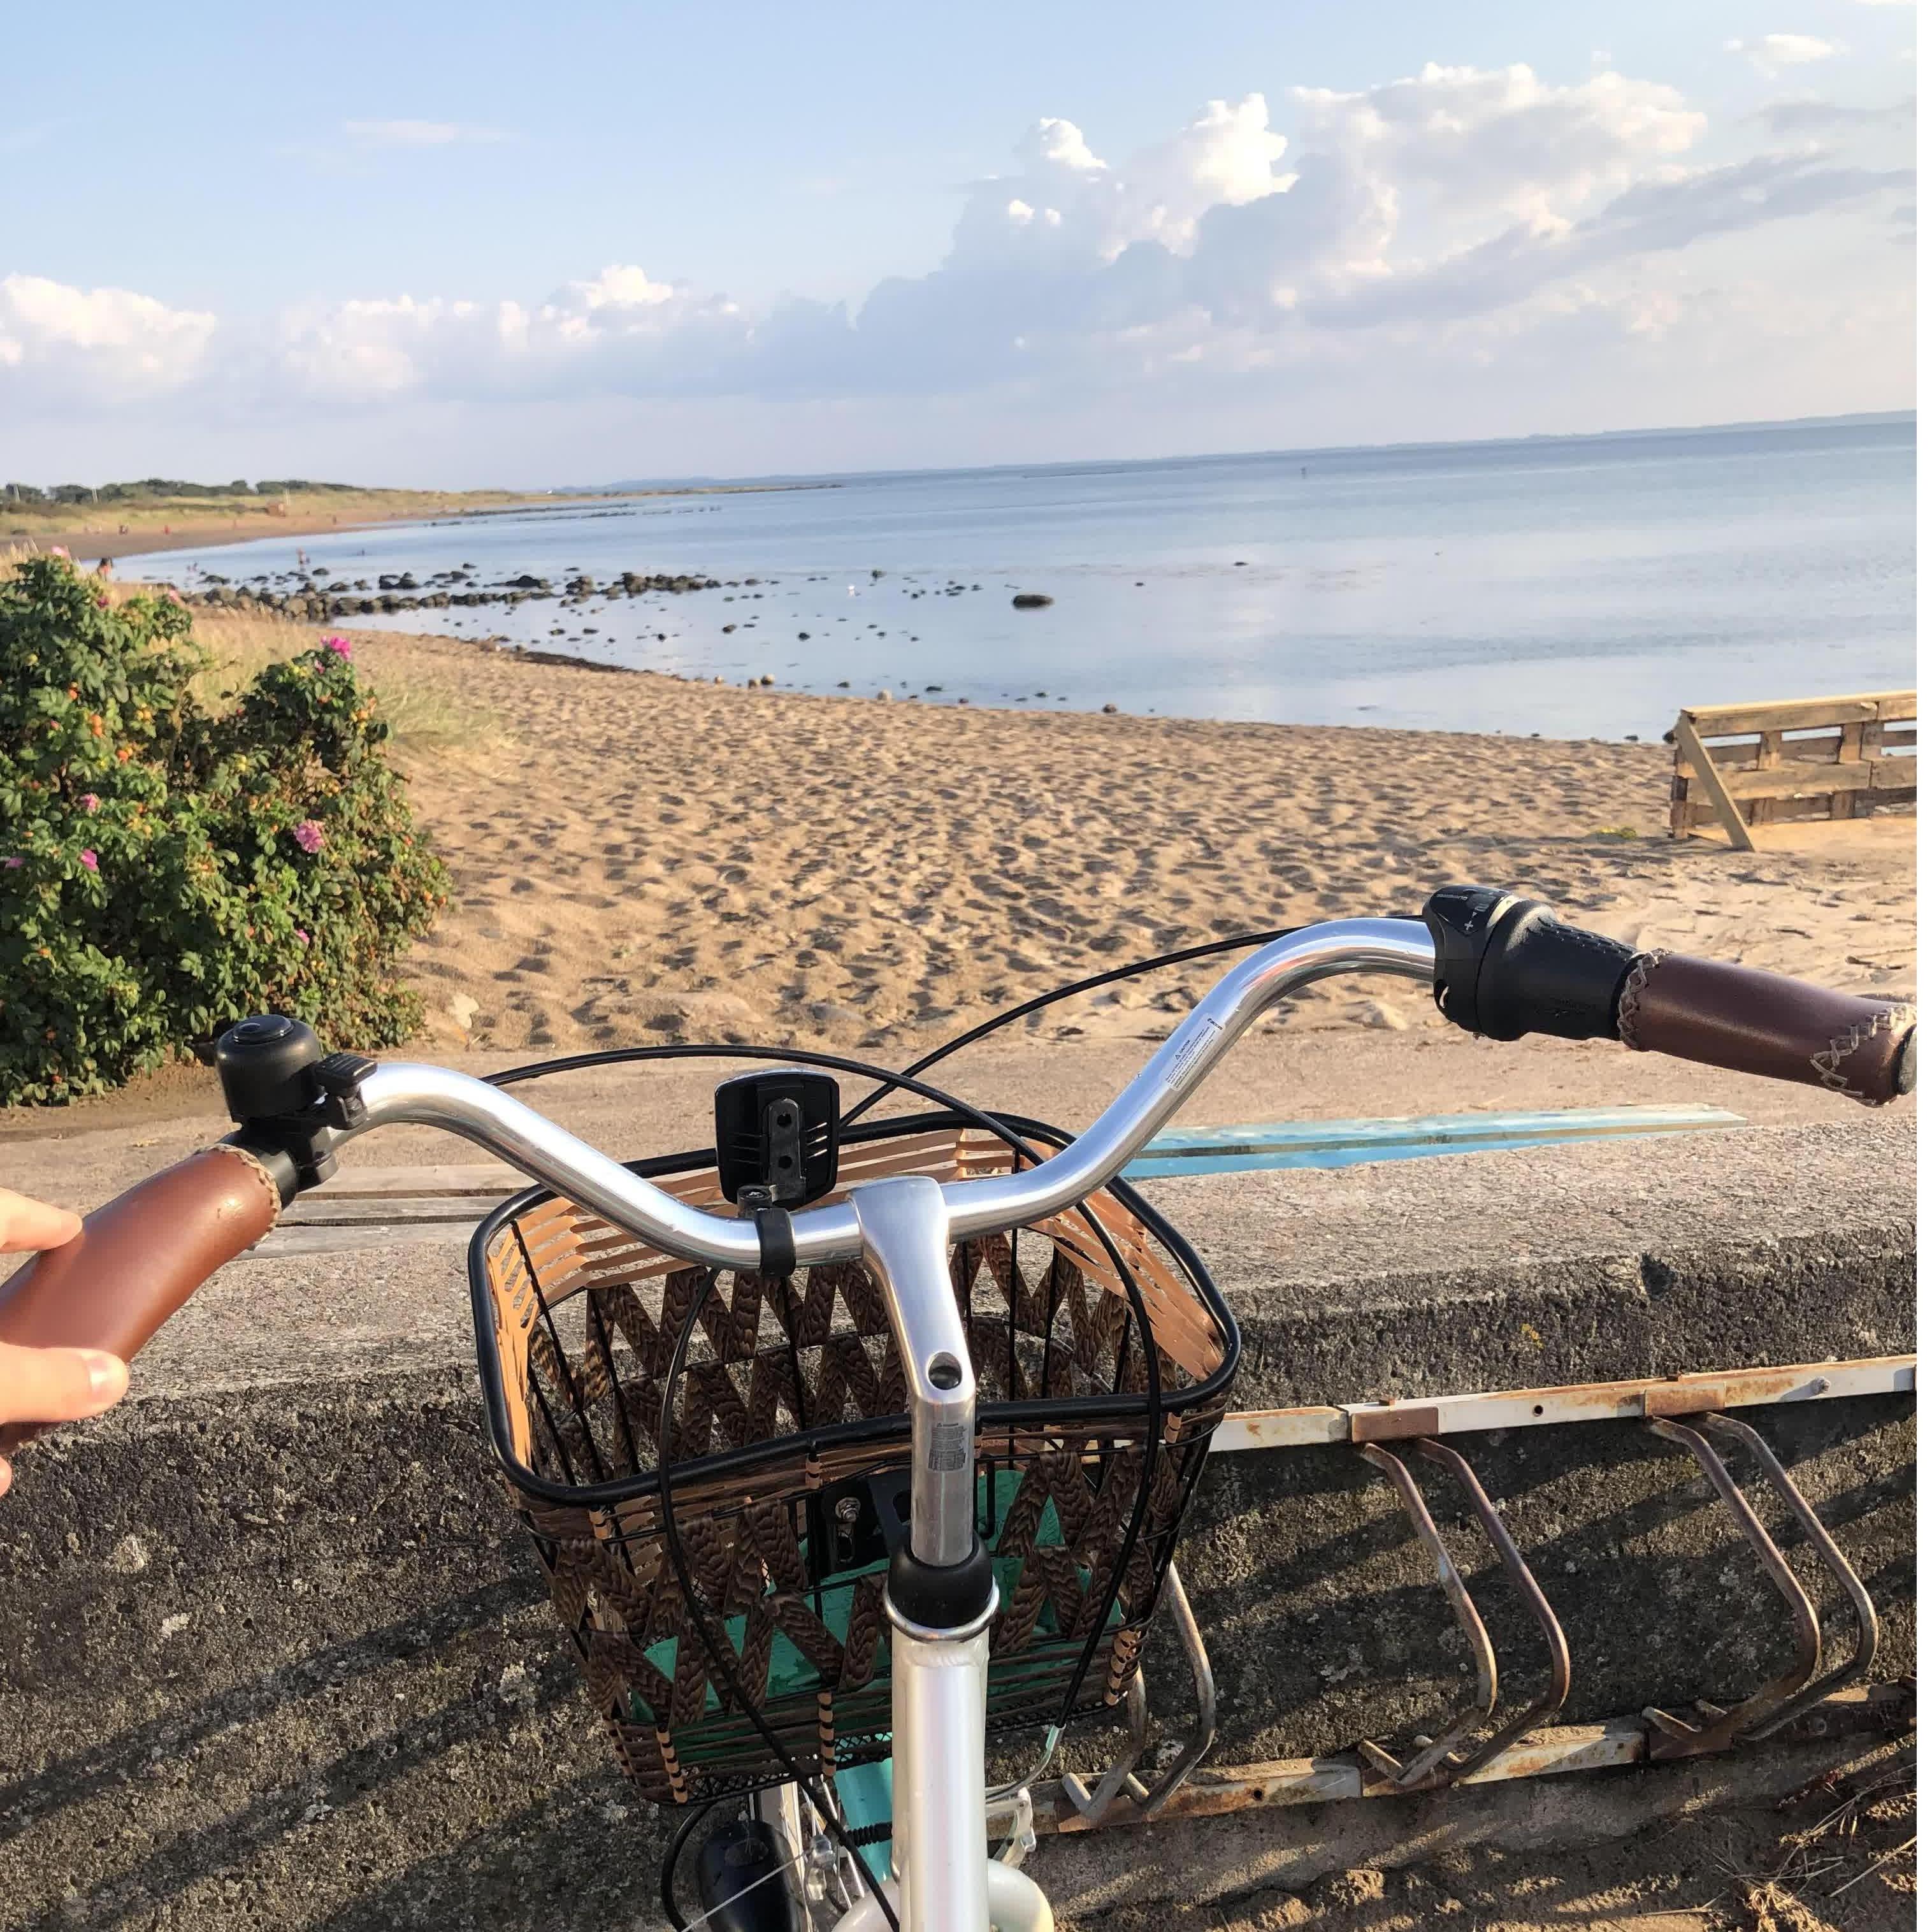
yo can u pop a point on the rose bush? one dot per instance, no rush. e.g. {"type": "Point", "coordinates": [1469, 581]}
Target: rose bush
{"type": "Point", "coordinates": [165, 869]}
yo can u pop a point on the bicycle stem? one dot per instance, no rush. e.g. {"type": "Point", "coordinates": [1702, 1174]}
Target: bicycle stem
{"type": "Point", "coordinates": [902, 1222]}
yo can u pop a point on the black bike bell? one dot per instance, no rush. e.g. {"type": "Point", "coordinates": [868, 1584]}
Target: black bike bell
{"type": "Point", "coordinates": [264, 1062]}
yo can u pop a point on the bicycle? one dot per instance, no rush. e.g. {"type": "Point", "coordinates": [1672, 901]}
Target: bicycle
{"type": "Point", "coordinates": [1001, 1561]}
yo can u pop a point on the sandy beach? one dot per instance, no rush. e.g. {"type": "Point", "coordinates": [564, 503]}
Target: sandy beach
{"type": "Point", "coordinates": [638, 858]}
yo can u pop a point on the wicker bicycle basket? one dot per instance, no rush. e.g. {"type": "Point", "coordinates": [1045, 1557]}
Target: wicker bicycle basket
{"type": "Point", "coordinates": [786, 1457]}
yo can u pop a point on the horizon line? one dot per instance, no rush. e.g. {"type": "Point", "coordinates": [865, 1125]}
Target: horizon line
{"type": "Point", "coordinates": [1849, 416]}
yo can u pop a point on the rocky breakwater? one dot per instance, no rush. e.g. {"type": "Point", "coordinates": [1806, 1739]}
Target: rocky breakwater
{"type": "Point", "coordinates": [305, 596]}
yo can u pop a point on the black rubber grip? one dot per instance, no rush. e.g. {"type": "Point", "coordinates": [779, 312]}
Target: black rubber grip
{"type": "Point", "coordinates": [1505, 966]}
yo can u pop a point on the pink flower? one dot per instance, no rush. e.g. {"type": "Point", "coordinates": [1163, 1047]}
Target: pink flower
{"type": "Point", "coordinates": [12, 865]}
{"type": "Point", "coordinates": [173, 595]}
{"type": "Point", "coordinates": [60, 549]}
{"type": "Point", "coordinates": [301, 935]}
{"type": "Point", "coordinates": [309, 835]}
{"type": "Point", "coordinates": [340, 646]}
{"type": "Point", "coordinates": [87, 859]}
{"type": "Point", "coordinates": [91, 800]}
{"type": "Point", "coordinates": [100, 598]}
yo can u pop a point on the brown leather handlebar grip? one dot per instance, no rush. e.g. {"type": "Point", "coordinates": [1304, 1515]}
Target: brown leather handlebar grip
{"type": "Point", "coordinates": [137, 1260]}
{"type": "Point", "coordinates": [1757, 1022]}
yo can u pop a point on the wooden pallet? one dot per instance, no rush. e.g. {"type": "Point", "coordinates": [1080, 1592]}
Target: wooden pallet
{"type": "Point", "coordinates": [1742, 765]}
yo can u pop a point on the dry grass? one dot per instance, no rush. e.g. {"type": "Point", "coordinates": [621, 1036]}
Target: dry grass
{"type": "Point", "coordinates": [425, 702]}
{"type": "Point", "coordinates": [52, 523]}
{"type": "Point", "coordinates": [426, 706]}
{"type": "Point", "coordinates": [1834, 1856]}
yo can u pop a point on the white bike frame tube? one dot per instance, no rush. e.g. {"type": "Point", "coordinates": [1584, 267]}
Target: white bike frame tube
{"type": "Point", "coordinates": [939, 1773]}
{"type": "Point", "coordinates": [1014, 1903]}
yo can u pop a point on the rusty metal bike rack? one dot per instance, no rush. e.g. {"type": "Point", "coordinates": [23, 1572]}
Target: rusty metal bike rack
{"type": "Point", "coordinates": [1882, 1709]}
{"type": "Point", "coordinates": [1441, 1759]}
{"type": "Point", "coordinates": [1775, 1704]}
{"type": "Point", "coordinates": [1557, 1693]}
{"type": "Point", "coordinates": [1688, 1411]}
{"type": "Point", "coordinates": [1834, 1559]}
{"type": "Point", "coordinates": [1118, 1782]}
{"type": "Point", "coordinates": [1673, 1736]}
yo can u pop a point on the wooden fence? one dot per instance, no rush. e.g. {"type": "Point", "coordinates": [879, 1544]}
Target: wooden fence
{"type": "Point", "coordinates": [1741, 765]}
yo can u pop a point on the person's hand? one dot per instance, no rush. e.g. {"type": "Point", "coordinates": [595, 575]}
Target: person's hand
{"type": "Point", "coordinates": [49, 1385]}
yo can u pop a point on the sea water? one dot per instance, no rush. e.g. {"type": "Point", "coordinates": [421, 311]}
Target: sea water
{"type": "Point", "coordinates": [1574, 586]}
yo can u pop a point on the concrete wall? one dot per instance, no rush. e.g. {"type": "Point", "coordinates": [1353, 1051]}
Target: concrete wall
{"type": "Point", "coordinates": [274, 1655]}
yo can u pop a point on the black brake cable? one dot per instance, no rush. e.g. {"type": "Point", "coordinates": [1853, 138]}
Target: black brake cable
{"type": "Point", "coordinates": [667, 1871]}
{"type": "Point", "coordinates": [905, 1081]}
{"type": "Point", "coordinates": [1040, 1001]}
{"type": "Point", "coordinates": [727, 1677]}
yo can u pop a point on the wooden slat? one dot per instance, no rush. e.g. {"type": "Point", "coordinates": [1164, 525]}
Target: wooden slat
{"type": "Point", "coordinates": [1809, 810]}
{"type": "Point", "coordinates": [1811, 781]}
{"type": "Point", "coordinates": [1799, 714]}
{"type": "Point", "coordinates": [1691, 748]}
{"type": "Point", "coordinates": [1822, 750]}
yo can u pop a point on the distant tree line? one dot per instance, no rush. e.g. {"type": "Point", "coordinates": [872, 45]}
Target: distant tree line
{"type": "Point", "coordinates": [150, 487]}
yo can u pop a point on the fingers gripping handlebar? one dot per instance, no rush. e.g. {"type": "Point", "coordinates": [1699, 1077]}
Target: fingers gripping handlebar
{"type": "Point", "coordinates": [1502, 968]}
{"type": "Point", "coordinates": [137, 1260]}
{"type": "Point", "coordinates": [1506, 967]}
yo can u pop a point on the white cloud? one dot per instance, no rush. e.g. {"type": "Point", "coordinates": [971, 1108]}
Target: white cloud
{"type": "Point", "coordinates": [105, 344]}
{"type": "Point", "coordinates": [1207, 234]}
{"type": "Point", "coordinates": [1770, 53]}
{"type": "Point", "coordinates": [415, 133]}
{"type": "Point", "coordinates": [1653, 217]}
{"type": "Point", "coordinates": [613, 328]}
{"type": "Point", "coordinates": [1301, 246]}
{"type": "Point", "coordinates": [620, 292]}
{"type": "Point", "coordinates": [366, 350]}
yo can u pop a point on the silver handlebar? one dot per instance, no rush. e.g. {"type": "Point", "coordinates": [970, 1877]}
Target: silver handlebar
{"type": "Point", "coordinates": [432, 1097]}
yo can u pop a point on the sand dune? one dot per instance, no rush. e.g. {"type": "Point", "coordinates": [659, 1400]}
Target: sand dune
{"type": "Point", "coordinates": [637, 858]}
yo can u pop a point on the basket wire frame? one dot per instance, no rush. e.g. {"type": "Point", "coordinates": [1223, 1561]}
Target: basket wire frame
{"type": "Point", "coordinates": [785, 1449]}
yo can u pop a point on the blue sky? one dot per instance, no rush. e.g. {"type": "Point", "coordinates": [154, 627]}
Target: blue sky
{"type": "Point", "coordinates": [479, 244]}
